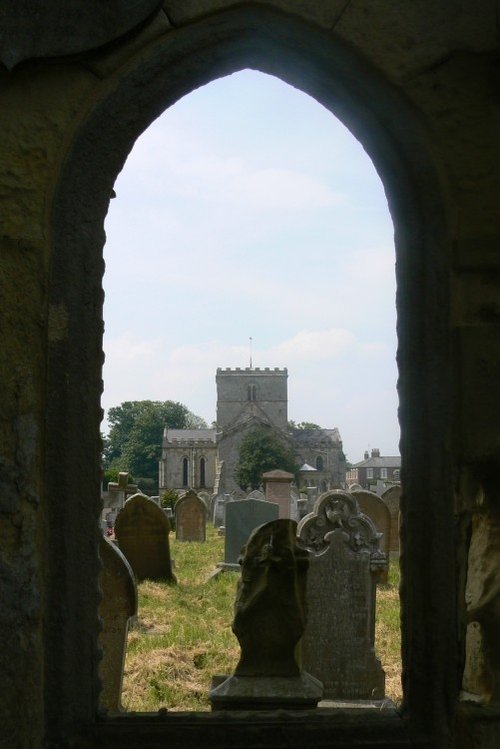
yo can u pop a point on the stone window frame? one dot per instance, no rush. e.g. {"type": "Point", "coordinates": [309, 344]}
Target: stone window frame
{"type": "Point", "coordinates": [369, 473]}
{"type": "Point", "coordinates": [316, 61]}
{"type": "Point", "coordinates": [383, 473]}
{"type": "Point", "coordinates": [185, 471]}
{"type": "Point", "coordinates": [203, 472]}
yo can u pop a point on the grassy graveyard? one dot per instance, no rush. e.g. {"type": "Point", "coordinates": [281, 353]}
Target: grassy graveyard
{"type": "Point", "coordinates": [183, 632]}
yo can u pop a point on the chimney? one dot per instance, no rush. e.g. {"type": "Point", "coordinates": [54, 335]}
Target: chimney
{"type": "Point", "coordinates": [375, 452]}
{"type": "Point", "coordinates": [366, 455]}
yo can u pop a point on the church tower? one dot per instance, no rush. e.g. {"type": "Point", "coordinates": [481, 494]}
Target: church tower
{"type": "Point", "coordinates": [249, 392]}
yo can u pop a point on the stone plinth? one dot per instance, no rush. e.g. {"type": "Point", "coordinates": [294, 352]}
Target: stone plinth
{"type": "Point", "coordinates": [277, 486]}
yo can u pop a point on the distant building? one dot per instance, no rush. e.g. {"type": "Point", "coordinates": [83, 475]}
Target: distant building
{"type": "Point", "coordinates": [247, 398]}
{"type": "Point", "coordinates": [373, 468]}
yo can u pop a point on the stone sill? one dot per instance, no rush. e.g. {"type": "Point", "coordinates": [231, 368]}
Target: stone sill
{"type": "Point", "coordinates": [342, 728]}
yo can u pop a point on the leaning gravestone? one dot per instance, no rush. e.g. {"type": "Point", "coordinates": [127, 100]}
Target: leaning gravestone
{"type": "Point", "coordinates": [141, 530]}
{"type": "Point", "coordinates": [372, 505]}
{"type": "Point", "coordinates": [241, 519]}
{"type": "Point", "coordinates": [345, 563]}
{"type": "Point", "coordinates": [190, 518]}
{"type": "Point", "coordinates": [118, 604]}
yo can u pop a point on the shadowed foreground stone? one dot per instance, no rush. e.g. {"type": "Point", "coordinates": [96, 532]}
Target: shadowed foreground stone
{"type": "Point", "coordinates": [269, 621]}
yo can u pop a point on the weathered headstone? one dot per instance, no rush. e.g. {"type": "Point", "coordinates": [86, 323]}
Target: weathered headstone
{"type": "Point", "coordinates": [256, 494]}
{"type": "Point", "coordinates": [118, 604]}
{"type": "Point", "coordinates": [241, 519]}
{"type": "Point", "coordinates": [392, 498]}
{"type": "Point", "coordinates": [141, 530]}
{"type": "Point", "coordinates": [312, 496]}
{"type": "Point", "coordinates": [118, 491]}
{"type": "Point", "coordinates": [277, 486]}
{"type": "Point", "coordinates": [345, 563]}
{"type": "Point", "coordinates": [372, 505]}
{"type": "Point", "coordinates": [190, 518]}
{"type": "Point", "coordinates": [269, 621]}
{"type": "Point", "coordinates": [219, 509]}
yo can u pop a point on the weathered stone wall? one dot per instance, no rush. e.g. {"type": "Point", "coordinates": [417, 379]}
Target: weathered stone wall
{"type": "Point", "coordinates": [418, 84]}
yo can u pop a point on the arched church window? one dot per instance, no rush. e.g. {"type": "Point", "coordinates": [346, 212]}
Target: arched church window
{"type": "Point", "coordinates": [185, 471]}
{"type": "Point", "coordinates": [252, 392]}
{"type": "Point", "coordinates": [202, 472]}
{"type": "Point", "coordinates": [320, 466]}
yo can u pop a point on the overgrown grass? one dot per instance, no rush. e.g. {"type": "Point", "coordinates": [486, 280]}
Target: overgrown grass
{"type": "Point", "coordinates": [183, 632]}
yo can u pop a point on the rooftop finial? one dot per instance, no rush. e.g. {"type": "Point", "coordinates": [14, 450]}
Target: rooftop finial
{"type": "Point", "coordinates": [251, 340]}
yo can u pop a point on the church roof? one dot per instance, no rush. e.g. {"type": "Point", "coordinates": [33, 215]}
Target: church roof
{"type": "Point", "coordinates": [181, 435]}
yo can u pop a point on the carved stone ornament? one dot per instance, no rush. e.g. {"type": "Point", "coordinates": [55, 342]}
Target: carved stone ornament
{"type": "Point", "coordinates": [51, 28]}
{"type": "Point", "coordinates": [338, 511]}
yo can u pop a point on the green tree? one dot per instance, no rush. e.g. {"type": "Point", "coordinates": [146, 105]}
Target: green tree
{"type": "Point", "coordinates": [302, 426]}
{"type": "Point", "coordinates": [262, 450]}
{"type": "Point", "coordinates": [136, 432]}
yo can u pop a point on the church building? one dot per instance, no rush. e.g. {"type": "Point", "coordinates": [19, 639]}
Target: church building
{"type": "Point", "coordinates": [206, 459]}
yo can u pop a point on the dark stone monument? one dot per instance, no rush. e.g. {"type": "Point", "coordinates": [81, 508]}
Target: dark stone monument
{"type": "Point", "coordinates": [118, 604]}
{"type": "Point", "coordinates": [141, 530]}
{"type": "Point", "coordinates": [269, 621]}
{"type": "Point", "coordinates": [190, 518]}
{"type": "Point", "coordinates": [345, 564]}
{"type": "Point", "coordinates": [242, 517]}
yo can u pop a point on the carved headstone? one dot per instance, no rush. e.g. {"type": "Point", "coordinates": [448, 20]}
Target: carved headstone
{"type": "Point", "coordinates": [345, 563]}
{"type": "Point", "coordinates": [269, 621]}
{"type": "Point", "coordinates": [142, 530]}
{"type": "Point", "coordinates": [118, 604]}
{"type": "Point", "coordinates": [372, 505]}
{"type": "Point", "coordinates": [241, 519]}
{"type": "Point", "coordinates": [190, 518]}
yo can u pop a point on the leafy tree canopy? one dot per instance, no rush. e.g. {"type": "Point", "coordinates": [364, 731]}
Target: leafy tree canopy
{"type": "Point", "coordinates": [262, 450]}
{"type": "Point", "coordinates": [302, 425]}
{"type": "Point", "coordinates": [136, 431]}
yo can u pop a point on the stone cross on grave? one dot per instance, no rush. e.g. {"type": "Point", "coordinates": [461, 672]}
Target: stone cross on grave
{"type": "Point", "coordinates": [118, 491]}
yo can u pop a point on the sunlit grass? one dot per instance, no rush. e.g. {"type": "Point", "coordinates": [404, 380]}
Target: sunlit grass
{"type": "Point", "coordinates": [183, 635]}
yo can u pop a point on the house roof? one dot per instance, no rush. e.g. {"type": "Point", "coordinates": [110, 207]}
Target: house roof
{"type": "Point", "coordinates": [383, 461]}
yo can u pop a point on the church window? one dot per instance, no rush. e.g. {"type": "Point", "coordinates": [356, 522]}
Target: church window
{"type": "Point", "coordinates": [320, 466]}
{"type": "Point", "coordinates": [202, 472]}
{"type": "Point", "coordinates": [185, 469]}
{"type": "Point", "coordinates": [252, 392]}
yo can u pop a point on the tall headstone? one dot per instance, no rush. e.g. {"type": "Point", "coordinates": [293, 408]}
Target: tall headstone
{"type": "Point", "coordinates": [142, 530]}
{"type": "Point", "coordinates": [190, 518]}
{"type": "Point", "coordinates": [118, 604]}
{"type": "Point", "coordinates": [345, 564]}
{"type": "Point", "coordinates": [219, 510]}
{"type": "Point", "coordinates": [269, 621]}
{"type": "Point", "coordinates": [392, 498]}
{"type": "Point", "coordinates": [374, 506]}
{"type": "Point", "coordinates": [277, 486]}
{"type": "Point", "coordinates": [242, 517]}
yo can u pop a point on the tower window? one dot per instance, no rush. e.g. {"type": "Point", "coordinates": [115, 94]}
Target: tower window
{"type": "Point", "coordinates": [252, 392]}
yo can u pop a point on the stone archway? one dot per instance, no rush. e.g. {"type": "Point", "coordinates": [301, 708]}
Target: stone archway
{"type": "Point", "coordinates": [378, 115]}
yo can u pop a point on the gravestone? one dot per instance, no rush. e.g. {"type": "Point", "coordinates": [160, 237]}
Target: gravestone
{"type": "Point", "coordinates": [269, 621]}
{"type": "Point", "coordinates": [118, 491]}
{"type": "Point", "coordinates": [190, 518]}
{"type": "Point", "coordinates": [141, 530]}
{"type": "Point", "coordinates": [345, 563]}
{"type": "Point", "coordinates": [392, 498]}
{"type": "Point", "coordinates": [312, 496]}
{"type": "Point", "coordinates": [256, 494]}
{"type": "Point", "coordinates": [218, 510]}
{"type": "Point", "coordinates": [118, 604]}
{"type": "Point", "coordinates": [241, 519]}
{"type": "Point", "coordinates": [372, 505]}
{"type": "Point", "coordinates": [277, 486]}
